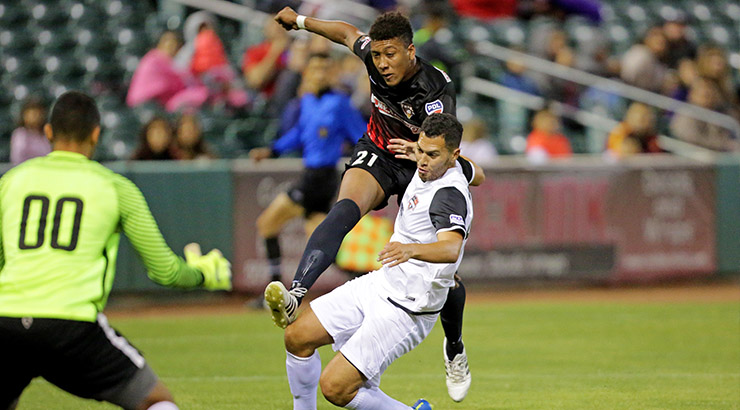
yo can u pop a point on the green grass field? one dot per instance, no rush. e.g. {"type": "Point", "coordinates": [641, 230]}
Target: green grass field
{"type": "Point", "coordinates": [523, 355]}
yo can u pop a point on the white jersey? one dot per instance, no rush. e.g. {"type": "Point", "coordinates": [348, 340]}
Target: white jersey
{"type": "Point", "coordinates": [428, 208]}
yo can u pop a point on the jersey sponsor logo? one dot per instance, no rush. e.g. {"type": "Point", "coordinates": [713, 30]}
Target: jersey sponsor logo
{"type": "Point", "coordinates": [380, 105]}
{"type": "Point", "coordinates": [412, 202]}
{"type": "Point", "coordinates": [447, 77]}
{"type": "Point", "coordinates": [365, 42]}
{"type": "Point", "coordinates": [457, 220]}
{"type": "Point", "coordinates": [407, 109]}
{"type": "Point", "coordinates": [434, 107]}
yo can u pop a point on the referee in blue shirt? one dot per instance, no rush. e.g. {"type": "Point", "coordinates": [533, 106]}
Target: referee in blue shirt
{"type": "Point", "coordinates": [326, 121]}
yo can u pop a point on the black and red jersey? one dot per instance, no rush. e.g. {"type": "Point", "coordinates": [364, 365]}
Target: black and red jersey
{"type": "Point", "coordinates": [398, 111]}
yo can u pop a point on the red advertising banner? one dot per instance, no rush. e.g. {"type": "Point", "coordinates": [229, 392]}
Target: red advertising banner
{"type": "Point", "coordinates": [636, 221]}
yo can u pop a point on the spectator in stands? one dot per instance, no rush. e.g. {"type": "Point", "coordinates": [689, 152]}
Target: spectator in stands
{"type": "Point", "coordinates": [545, 141]}
{"type": "Point", "coordinates": [679, 46]}
{"type": "Point", "coordinates": [711, 64]}
{"type": "Point", "coordinates": [429, 46]}
{"type": "Point", "coordinates": [642, 65]}
{"type": "Point", "coordinates": [155, 141]}
{"type": "Point", "coordinates": [557, 50]}
{"type": "Point", "coordinates": [515, 76]}
{"type": "Point", "coordinates": [635, 134]}
{"type": "Point", "coordinates": [156, 78]}
{"type": "Point", "coordinates": [28, 140]}
{"type": "Point", "coordinates": [264, 61]}
{"type": "Point", "coordinates": [704, 93]}
{"type": "Point", "coordinates": [188, 143]}
{"type": "Point", "coordinates": [476, 144]}
{"type": "Point", "coordinates": [683, 78]}
{"type": "Point", "coordinates": [204, 56]}
{"type": "Point", "coordinates": [485, 9]}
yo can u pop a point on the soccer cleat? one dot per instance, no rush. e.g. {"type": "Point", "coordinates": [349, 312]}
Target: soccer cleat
{"type": "Point", "coordinates": [421, 404]}
{"type": "Point", "coordinates": [458, 374]}
{"type": "Point", "coordinates": [283, 305]}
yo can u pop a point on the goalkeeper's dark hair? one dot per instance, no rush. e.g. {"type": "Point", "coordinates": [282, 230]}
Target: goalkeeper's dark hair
{"type": "Point", "coordinates": [444, 125]}
{"type": "Point", "coordinates": [392, 25]}
{"type": "Point", "coordinates": [74, 116]}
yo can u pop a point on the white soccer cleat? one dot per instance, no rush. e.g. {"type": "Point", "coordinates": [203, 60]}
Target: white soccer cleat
{"type": "Point", "coordinates": [282, 304]}
{"type": "Point", "coordinates": [458, 374]}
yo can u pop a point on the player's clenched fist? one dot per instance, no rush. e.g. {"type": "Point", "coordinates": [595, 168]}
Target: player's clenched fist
{"type": "Point", "coordinates": [287, 18]}
{"type": "Point", "coordinates": [394, 253]}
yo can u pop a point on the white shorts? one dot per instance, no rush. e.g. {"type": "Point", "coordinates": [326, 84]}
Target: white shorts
{"type": "Point", "coordinates": [367, 329]}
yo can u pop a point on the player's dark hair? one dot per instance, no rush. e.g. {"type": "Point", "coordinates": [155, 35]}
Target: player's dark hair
{"type": "Point", "coordinates": [444, 125]}
{"type": "Point", "coordinates": [392, 25]}
{"type": "Point", "coordinates": [74, 116]}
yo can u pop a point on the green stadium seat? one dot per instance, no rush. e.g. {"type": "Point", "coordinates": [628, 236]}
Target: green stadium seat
{"type": "Point", "coordinates": [45, 14]}
{"type": "Point", "coordinates": [97, 42]}
{"type": "Point", "coordinates": [15, 41]}
{"type": "Point", "coordinates": [51, 41]}
{"type": "Point", "coordinates": [12, 16]}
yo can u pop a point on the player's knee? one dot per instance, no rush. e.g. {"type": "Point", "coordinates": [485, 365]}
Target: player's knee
{"type": "Point", "coordinates": [335, 390]}
{"type": "Point", "coordinates": [263, 225]}
{"type": "Point", "coordinates": [295, 342]}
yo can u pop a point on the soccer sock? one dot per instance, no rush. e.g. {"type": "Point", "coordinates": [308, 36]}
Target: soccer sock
{"type": "Point", "coordinates": [272, 245]}
{"type": "Point", "coordinates": [322, 247]}
{"type": "Point", "coordinates": [375, 399]}
{"type": "Point", "coordinates": [163, 405]}
{"type": "Point", "coordinates": [303, 379]}
{"type": "Point", "coordinates": [452, 319]}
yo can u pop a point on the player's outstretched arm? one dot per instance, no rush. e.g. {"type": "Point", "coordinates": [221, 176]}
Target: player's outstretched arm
{"type": "Point", "coordinates": [163, 266]}
{"type": "Point", "coordinates": [445, 250]}
{"type": "Point", "coordinates": [336, 31]}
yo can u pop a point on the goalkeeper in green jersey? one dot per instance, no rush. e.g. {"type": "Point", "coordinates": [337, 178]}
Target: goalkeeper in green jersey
{"type": "Point", "coordinates": [60, 217]}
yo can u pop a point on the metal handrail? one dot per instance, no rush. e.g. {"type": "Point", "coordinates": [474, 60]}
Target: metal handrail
{"type": "Point", "coordinates": [488, 49]}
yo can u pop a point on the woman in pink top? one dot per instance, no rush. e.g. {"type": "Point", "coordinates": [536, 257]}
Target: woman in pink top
{"type": "Point", "coordinates": [156, 78]}
{"type": "Point", "coordinates": [28, 140]}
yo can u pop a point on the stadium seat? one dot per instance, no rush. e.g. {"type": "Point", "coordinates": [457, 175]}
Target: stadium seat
{"type": "Point", "coordinates": [45, 14]}
{"type": "Point", "coordinates": [95, 42]}
{"type": "Point", "coordinates": [12, 16]}
{"type": "Point", "coordinates": [51, 41]}
{"type": "Point", "coordinates": [14, 40]}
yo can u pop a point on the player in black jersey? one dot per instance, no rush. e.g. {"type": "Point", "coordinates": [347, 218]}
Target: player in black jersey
{"type": "Point", "coordinates": [405, 90]}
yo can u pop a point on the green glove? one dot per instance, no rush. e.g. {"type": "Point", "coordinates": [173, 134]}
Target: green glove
{"type": "Point", "coordinates": [215, 268]}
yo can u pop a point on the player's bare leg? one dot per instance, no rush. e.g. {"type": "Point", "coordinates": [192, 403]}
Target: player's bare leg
{"type": "Point", "coordinates": [358, 194]}
{"type": "Point", "coordinates": [159, 398]}
{"type": "Point", "coordinates": [269, 224]}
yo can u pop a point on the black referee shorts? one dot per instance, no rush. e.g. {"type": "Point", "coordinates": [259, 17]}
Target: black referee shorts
{"type": "Point", "coordinates": [393, 174]}
{"type": "Point", "coordinates": [316, 190]}
{"type": "Point", "coordinates": [89, 360]}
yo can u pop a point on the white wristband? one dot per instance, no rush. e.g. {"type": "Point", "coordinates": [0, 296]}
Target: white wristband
{"type": "Point", "coordinates": [300, 21]}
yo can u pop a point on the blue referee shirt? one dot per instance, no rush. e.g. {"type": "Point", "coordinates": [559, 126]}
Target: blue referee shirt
{"type": "Point", "coordinates": [323, 124]}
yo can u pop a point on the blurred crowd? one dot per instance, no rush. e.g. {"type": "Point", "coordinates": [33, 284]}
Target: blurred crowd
{"type": "Point", "coordinates": [190, 70]}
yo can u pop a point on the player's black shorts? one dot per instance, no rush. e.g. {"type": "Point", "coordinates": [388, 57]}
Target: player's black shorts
{"type": "Point", "coordinates": [90, 360]}
{"type": "Point", "coordinates": [316, 190]}
{"type": "Point", "coordinates": [393, 174]}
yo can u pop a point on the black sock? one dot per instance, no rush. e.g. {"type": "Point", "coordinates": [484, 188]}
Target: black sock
{"type": "Point", "coordinates": [272, 245]}
{"type": "Point", "coordinates": [452, 319]}
{"type": "Point", "coordinates": [322, 247]}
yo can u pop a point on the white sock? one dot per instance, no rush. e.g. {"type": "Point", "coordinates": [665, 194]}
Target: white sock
{"type": "Point", "coordinates": [303, 378]}
{"type": "Point", "coordinates": [375, 399]}
{"type": "Point", "coordinates": [163, 405]}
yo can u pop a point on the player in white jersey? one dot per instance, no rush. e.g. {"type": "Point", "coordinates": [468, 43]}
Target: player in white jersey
{"type": "Point", "coordinates": [378, 317]}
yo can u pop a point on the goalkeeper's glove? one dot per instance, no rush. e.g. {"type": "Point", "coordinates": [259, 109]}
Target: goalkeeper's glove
{"type": "Point", "coordinates": [215, 268]}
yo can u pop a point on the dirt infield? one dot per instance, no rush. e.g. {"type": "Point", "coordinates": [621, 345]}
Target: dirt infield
{"type": "Point", "coordinates": [238, 304]}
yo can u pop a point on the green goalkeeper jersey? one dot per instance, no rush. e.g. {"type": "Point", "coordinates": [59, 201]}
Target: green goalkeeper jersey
{"type": "Point", "coordinates": [61, 216]}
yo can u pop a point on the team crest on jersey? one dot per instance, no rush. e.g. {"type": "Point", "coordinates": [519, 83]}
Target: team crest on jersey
{"type": "Point", "coordinates": [407, 109]}
{"type": "Point", "coordinates": [434, 107]}
{"type": "Point", "coordinates": [365, 42]}
{"type": "Point", "coordinates": [323, 132]}
{"type": "Point", "coordinates": [412, 202]}
{"type": "Point", "coordinates": [457, 220]}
